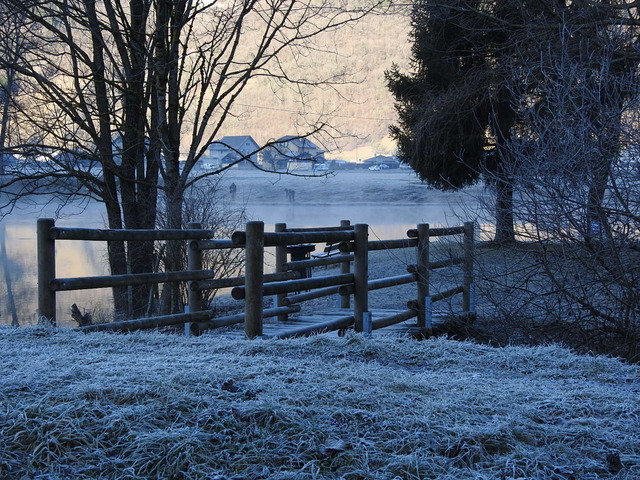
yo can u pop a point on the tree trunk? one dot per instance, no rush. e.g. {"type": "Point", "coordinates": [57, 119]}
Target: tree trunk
{"type": "Point", "coordinates": [172, 302]}
{"type": "Point", "coordinates": [502, 121]}
{"type": "Point", "coordinates": [608, 124]}
{"type": "Point", "coordinates": [117, 254]}
{"type": "Point", "coordinates": [596, 218]}
{"type": "Point", "coordinates": [137, 208]}
{"type": "Point", "coordinates": [505, 232]}
{"type": "Point", "coordinates": [5, 95]}
{"type": "Point", "coordinates": [171, 15]}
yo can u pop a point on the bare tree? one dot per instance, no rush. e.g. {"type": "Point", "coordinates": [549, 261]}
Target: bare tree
{"type": "Point", "coordinates": [13, 44]}
{"type": "Point", "coordinates": [126, 97]}
{"type": "Point", "coordinates": [576, 277]}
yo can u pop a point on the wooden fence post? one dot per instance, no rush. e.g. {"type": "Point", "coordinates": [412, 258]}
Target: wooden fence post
{"type": "Point", "coordinates": [361, 274]}
{"type": "Point", "coordinates": [281, 259]}
{"type": "Point", "coordinates": [194, 262]}
{"type": "Point", "coordinates": [423, 274]}
{"type": "Point", "coordinates": [46, 271]}
{"type": "Point", "coordinates": [345, 267]}
{"type": "Point", "coordinates": [467, 294]}
{"type": "Point", "coordinates": [254, 273]}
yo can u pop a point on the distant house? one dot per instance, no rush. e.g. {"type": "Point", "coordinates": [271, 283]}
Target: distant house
{"type": "Point", "coordinates": [76, 160]}
{"type": "Point", "coordinates": [9, 164]}
{"type": "Point", "coordinates": [231, 150]}
{"type": "Point", "coordinates": [291, 153]}
{"type": "Point", "coordinates": [379, 160]}
{"type": "Point", "coordinates": [89, 160]}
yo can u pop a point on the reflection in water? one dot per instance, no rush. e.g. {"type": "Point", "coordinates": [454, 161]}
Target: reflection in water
{"type": "Point", "coordinates": [386, 222]}
{"type": "Point", "coordinates": [73, 259]}
{"type": "Point", "coordinates": [4, 262]}
{"type": "Point", "coordinates": [18, 289]}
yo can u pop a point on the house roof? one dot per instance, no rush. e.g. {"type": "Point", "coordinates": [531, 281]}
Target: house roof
{"type": "Point", "coordinates": [10, 160]}
{"type": "Point", "coordinates": [77, 157]}
{"type": "Point", "coordinates": [234, 142]}
{"type": "Point", "coordinates": [302, 143]}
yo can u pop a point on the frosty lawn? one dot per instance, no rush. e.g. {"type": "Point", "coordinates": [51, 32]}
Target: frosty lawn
{"type": "Point", "coordinates": [108, 406]}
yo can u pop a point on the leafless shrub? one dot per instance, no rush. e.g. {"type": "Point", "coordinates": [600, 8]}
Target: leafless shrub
{"type": "Point", "coordinates": [576, 279]}
{"type": "Point", "coordinates": [207, 204]}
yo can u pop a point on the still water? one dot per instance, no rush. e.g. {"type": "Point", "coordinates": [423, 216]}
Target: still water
{"type": "Point", "coordinates": [18, 262]}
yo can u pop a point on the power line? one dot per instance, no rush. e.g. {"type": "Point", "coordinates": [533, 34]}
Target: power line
{"type": "Point", "coordinates": [316, 113]}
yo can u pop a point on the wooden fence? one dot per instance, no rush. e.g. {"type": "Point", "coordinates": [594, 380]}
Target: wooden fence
{"type": "Point", "coordinates": [284, 284]}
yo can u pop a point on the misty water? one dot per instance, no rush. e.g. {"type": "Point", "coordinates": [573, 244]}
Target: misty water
{"type": "Point", "coordinates": [18, 262]}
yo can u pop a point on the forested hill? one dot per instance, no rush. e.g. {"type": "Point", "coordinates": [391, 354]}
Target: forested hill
{"type": "Point", "coordinates": [362, 107]}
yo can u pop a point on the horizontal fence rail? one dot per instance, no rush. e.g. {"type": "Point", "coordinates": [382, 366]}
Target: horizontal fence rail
{"type": "Point", "coordinates": [310, 295]}
{"type": "Point", "coordinates": [347, 247]}
{"type": "Point", "coordinates": [104, 235]}
{"type": "Point", "coordinates": [318, 262]}
{"type": "Point", "coordinates": [274, 239]}
{"type": "Point", "coordinates": [213, 244]}
{"type": "Point", "coordinates": [237, 281]}
{"type": "Point", "coordinates": [86, 283]}
{"type": "Point", "coordinates": [320, 229]}
{"type": "Point", "coordinates": [393, 319]}
{"type": "Point", "coordinates": [239, 293]}
{"type": "Point", "coordinates": [379, 283]}
{"type": "Point", "coordinates": [287, 284]}
{"type": "Point", "coordinates": [437, 232]}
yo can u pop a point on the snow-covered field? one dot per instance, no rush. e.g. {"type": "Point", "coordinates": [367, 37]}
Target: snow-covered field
{"type": "Point", "coordinates": [141, 406]}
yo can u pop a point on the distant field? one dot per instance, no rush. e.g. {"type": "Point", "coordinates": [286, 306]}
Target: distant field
{"type": "Point", "coordinates": [348, 187]}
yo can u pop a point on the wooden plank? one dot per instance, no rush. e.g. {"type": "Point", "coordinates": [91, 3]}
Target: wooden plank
{"type": "Point", "coordinates": [321, 327]}
{"type": "Point", "coordinates": [254, 279]}
{"type": "Point", "coordinates": [273, 288]}
{"type": "Point", "coordinates": [274, 328]}
{"type": "Point", "coordinates": [46, 251]}
{"type": "Point", "coordinates": [318, 262]}
{"type": "Point", "coordinates": [341, 228]}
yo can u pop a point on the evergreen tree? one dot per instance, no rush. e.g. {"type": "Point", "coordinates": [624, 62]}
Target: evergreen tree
{"type": "Point", "coordinates": [478, 65]}
{"type": "Point", "coordinates": [456, 110]}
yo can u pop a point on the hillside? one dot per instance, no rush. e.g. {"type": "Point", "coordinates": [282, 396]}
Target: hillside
{"type": "Point", "coordinates": [107, 406]}
{"type": "Point", "coordinates": [359, 111]}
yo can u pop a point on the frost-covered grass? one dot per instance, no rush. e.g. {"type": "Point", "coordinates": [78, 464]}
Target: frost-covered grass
{"type": "Point", "coordinates": [140, 406]}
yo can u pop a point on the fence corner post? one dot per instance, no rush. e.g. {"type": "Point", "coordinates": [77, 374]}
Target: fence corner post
{"type": "Point", "coordinates": [254, 278]}
{"type": "Point", "coordinates": [360, 274]}
{"type": "Point", "coordinates": [345, 267]}
{"type": "Point", "coordinates": [467, 294]}
{"type": "Point", "coordinates": [423, 274]}
{"type": "Point", "coordinates": [46, 271]}
{"type": "Point", "coordinates": [194, 262]}
{"type": "Point", "coordinates": [281, 259]}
